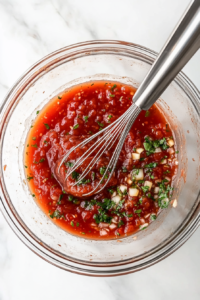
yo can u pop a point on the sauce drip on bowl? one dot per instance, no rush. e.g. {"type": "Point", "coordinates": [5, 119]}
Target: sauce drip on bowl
{"type": "Point", "coordinates": [142, 182]}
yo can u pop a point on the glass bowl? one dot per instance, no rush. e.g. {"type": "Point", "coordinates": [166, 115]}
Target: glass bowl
{"type": "Point", "coordinates": [119, 61]}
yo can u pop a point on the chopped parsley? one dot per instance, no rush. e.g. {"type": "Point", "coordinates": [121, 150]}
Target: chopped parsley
{"type": "Point", "coordinates": [112, 96]}
{"type": "Point", "coordinates": [147, 113]}
{"type": "Point", "coordinates": [59, 97]}
{"type": "Point", "coordinates": [113, 87]}
{"type": "Point", "coordinates": [46, 125]}
{"type": "Point", "coordinates": [56, 214]}
{"type": "Point", "coordinates": [109, 116]}
{"type": "Point", "coordinates": [77, 224]}
{"type": "Point", "coordinates": [41, 160]}
{"type": "Point", "coordinates": [150, 146]}
{"type": "Point", "coordinates": [124, 169]}
{"type": "Point", "coordinates": [85, 119]}
{"type": "Point", "coordinates": [93, 176]}
{"type": "Point", "coordinates": [69, 164]}
{"type": "Point", "coordinates": [153, 217]}
{"type": "Point", "coordinates": [34, 145]}
{"type": "Point", "coordinates": [102, 170]}
{"type": "Point", "coordinates": [84, 181]}
{"type": "Point", "coordinates": [75, 175]}
{"type": "Point", "coordinates": [151, 165]}
{"type": "Point", "coordinates": [120, 223]}
{"type": "Point", "coordinates": [100, 124]}
{"type": "Point", "coordinates": [37, 112]}
{"type": "Point", "coordinates": [76, 126]}
{"type": "Point", "coordinates": [145, 188]}
{"type": "Point", "coordinates": [33, 138]}
{"type": "Point", "coordinates": [72, 223]}
{"type": "Point", "coordinates": [70, 197]}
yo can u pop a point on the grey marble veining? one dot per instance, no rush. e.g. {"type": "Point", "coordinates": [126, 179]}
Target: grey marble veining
{"type": "Point", "coordinates": [28, 31]}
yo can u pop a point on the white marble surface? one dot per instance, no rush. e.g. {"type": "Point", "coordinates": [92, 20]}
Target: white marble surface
{"type": "Point", "coordinates": [30, 29]}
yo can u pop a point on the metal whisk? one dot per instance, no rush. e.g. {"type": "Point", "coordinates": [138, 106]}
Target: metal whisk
{"type": "Point", "coordinates": [181, 46]}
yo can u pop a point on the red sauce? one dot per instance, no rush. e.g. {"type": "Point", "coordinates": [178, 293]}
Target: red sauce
{"type": "Point", "coordinates": [141, 184]}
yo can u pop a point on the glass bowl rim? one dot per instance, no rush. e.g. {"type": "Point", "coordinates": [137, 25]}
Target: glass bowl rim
{"type": "Point", "coordinates": [19, 88]}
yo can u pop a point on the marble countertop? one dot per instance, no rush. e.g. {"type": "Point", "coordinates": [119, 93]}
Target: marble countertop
{"type": "Point", "coordinates": [28, 31]}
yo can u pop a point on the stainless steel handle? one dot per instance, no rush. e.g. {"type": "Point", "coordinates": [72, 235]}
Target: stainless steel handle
{"type": "Point", "coordinates": [181, 46]}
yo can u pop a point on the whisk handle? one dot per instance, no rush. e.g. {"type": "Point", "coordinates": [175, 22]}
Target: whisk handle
{"type": "Point", "coordinates": [180, 47]}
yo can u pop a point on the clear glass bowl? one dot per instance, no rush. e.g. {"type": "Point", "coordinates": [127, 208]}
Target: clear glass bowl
{"type": "Point", "coordinates": [82, 62]}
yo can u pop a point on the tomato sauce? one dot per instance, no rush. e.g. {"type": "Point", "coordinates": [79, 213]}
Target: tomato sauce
{"type": "Point", "coordinates": [141, 185]}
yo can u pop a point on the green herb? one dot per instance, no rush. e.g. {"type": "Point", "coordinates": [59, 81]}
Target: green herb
{"type": "Point", "coordinates": [113, 87]}
{"type": "Point", "coordinates": [31, 126]}
{"type": "Point", "coordinates": [41, 160]}
{"type": "Point", "coordinates": [102, 217]}
{"type": "Point", "coordinates": [76, 201]}
{"type": "Point", "coordinates": [83, 181]}
{"type": "Point", "coordinates": [85, 119]}
{"type": "Point", "coordinates": [141, 181]}
{"type": "Point", "coordinates": [37, 112]}
{"type": "Point", "coordinates": [134, 173]}
{"type": "Point", "coordinates": [93, 176]}
{"type": "Point", "coordinates": [92, 84]}
{"type": "Point", "coordinates": [46, 125]}
{"type": "Point", "coordinates": [151, 165]}
{"type": "Point", "coordinates": [109, 116]}
{"type": "Point", "coordinates": [124, 169]}
{"type": "Point", "coordinates": [77, 224]}
{"type": "Point", "coordinates": [143, 228]}
{"type": "Point", "coordinates": [69, 164]}
{"type": "Point", "coordinates": [27, 145]}
{"type": "Point", "coordinates": [153, 217]}
{"type": "Point", "coordinates": [177, 152]}
{"type": "Point", "coordinates": [76, 126]}
{"type": "Point", "coordinates": [129, 216]}
{"type": "Point", "coordinates": [56, 214]}
{"type": "Point", "coordinates": [150, 146]}
{"type": "Point", "coordinates": [120, 223]}
{"type": "Point", "coordinates": [134, 149]}
{"type": "Point", "coordinates": [119, 192]}
{"type": "Point", "coordinates": [29, 178]}
{"type": "Point", "coordinates": [75, 175]}
{"type": "Point", "coordinates": [112, 95]}
{"type": "Point", "coordinates": [163, 194]}
{"type": "Point", "coordinates": [102, 170]}
{"type": "Point", "coordinates": [33, 138]}
{"type": "Point", "coordinates": [34, 145]}
{"type": "Point", "coordinates": [117, 233]}
{"type": "Point", "coordinates": [33, 195]}
{"type": "Point", "coordinates": [151, 176]}
{"type": "Point", "coordinates": [59, 97]}
{"type": "Point", "coordinates": [147, 113]}
{"type": "Point", "coordinates": [70, 197]}
{"type": "Point", "coordinates": [111, 191]}
{"type": "Point", "coordinates": [26, 167]}
{"type": "Point", "coordinates": [90, 132]}
{"type": "Point", "coordinates": [45, 142]}
{"type": "Point", "coordinates": [142, 158]}
{"type": "Point", "coordinates": [100, 124]}
{"type": "Point", "coordinates": [82, 232]}
{"type": "Point", "coordinates": [138, 211]}
{"type": "Point", "coordinates": [59, 199]}
{"type": "Point", "coordinates": [72, 223]}
{"type": "Point", "coordinates": [167, 172]}
{"type": "Point", "coordinates": [145, 188]}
